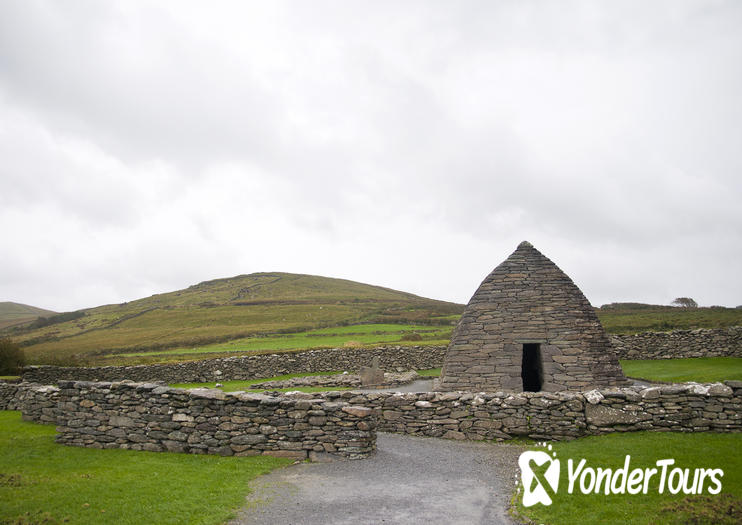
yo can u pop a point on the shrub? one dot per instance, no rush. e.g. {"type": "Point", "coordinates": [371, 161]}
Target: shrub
{"type": "Point", "coordinates": [11, 357]}
{"type": "Point", "coordinates": [41, 322]}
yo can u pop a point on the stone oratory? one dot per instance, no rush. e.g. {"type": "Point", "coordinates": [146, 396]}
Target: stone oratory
{"type": "Point", "coordinates": [529, 328]}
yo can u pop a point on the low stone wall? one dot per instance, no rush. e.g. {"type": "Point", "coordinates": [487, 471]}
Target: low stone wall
{"type": "Point", "coordinates": [39, 403]}
{"type": "Point", "coordinates": [155, 417]}
{"type": "Point", "coordinates": [723, 342]}
{"type": "Point", "coordinates": [146, 416]}
{"type": "Point", "coordinates": [687, 407]}
{"type": "Point", "coordinates": [8, 393]}
{"type": "Point", "coordinates": [391, 358]}
{"type": "Point", "coordinates": [36, 402]}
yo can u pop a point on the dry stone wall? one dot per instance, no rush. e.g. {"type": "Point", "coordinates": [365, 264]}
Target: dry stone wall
{"type": "Point", "coordinates": [154, 417]}
{"type": "Point", "coordinates": [391, 358]}
{"type": "Point", "coordinates": [37, 403]}
{"type": "Point", "coordinates": [8, 393]}
{"type": "Point", "coordinates": [148, 416]}
{"type": "Point", "coordinates": [687, 407]}
{"type": "Point", "coordinates": [723, 342]}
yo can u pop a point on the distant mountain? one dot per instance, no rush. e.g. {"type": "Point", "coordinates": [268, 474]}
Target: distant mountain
{"type": "Point", "coordinates": [225, 309]}
{"type": "Point", "coordinates": [13, 314]}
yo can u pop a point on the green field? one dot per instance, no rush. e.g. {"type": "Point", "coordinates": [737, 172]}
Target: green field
{"type": "Point", "coordinates": [701, 369]}
{"type": "Point", "coordinates": [367, 334]}
{"type": "Point", "coordinates": [42, 482]}
{"type": "Point", "coordinates": [634, 318]}
{"type": "Point", "coordinates": [702, 450]}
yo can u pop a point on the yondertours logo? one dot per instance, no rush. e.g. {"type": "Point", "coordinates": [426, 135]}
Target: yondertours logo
{"type": "Point", "coordinates": [539, 476]}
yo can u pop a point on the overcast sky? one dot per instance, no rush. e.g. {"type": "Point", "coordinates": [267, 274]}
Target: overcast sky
{"type": "Point", "coordinates": [148, 146]}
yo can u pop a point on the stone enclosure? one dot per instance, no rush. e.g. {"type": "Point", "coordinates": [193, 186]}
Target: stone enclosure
{"type": "Point", "coordinates": [154, 417]}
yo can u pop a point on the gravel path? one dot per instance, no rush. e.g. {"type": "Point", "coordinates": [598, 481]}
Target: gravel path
{"type": "Point", "coordinates": [409, 480]}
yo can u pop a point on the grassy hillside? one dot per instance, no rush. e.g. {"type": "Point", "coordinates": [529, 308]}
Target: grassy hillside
{"type": "Point", "coordinates": [283, 312]}
{"type": "Point", "coordinates": [13, 314]}
{"type": "Point", "coordinates": [631, 318]}
{"type": "Point", "coordinates": [226, 309]}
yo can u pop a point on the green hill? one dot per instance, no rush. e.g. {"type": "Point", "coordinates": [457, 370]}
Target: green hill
{"type": "Point", "coordinates": [222, 310]}
{"type": "Point", "coordinates": [13, 314]}
{"type": "Point", "coordinates": [630, 318]}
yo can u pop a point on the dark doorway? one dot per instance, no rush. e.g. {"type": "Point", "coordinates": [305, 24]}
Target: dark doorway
{"type": "Point", "coordinates": [531, 369]}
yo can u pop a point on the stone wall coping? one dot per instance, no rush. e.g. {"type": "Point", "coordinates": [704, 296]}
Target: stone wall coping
{"type": "Point", "coordinates": [715, 389]}
{"type": "Point", "coordinates": [288, 399]}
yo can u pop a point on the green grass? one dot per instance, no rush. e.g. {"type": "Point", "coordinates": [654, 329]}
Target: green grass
{"type": "Point", "coordinates": [431, 372]}
{"type": "Point", "coordinates": [700, 369]}
{"type": "Point", "coordinates": [43, 479]}
{"type": "Point", "coordinates": [702, 450]}
{"type": "Point", "coordinates": [322, 338]}
{"type": "Point", "coordinates": [10, 378]}
{"type": "Point", "coordinates": [307, 389]}
{"type": "Point", "coordinates": [632, 319]}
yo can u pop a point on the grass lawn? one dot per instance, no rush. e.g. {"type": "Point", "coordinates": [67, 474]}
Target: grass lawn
{"type": "Point", "coordinates": [701, 369]}
{"type": "Point", "coordinates": [431, 372]}
{"type": "Point", "coordinates": [702, 450]}
{"type": "Point", "coordinates": [42, 482]}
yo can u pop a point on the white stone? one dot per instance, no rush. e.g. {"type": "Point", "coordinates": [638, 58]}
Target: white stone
{"type": "Point", "coordinates": [594, 397]}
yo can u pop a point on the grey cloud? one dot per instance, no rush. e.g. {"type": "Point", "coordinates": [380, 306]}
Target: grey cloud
{"type": "Point", "coordinates": [607, 133]}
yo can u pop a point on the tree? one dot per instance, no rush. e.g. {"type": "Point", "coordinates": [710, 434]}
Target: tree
{"type": "Point", "coordinates": [12, 359]}
{"type": "Point", "coordinates": [685, 302]}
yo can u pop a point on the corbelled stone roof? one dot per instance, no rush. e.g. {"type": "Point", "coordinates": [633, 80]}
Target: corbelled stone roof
{"type": "Point", "coordinates": [527, 299]}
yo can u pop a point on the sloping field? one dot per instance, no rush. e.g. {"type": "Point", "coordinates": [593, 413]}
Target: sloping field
{"type": "Point", "coordinates": [632, 318]}
{"type": "Point", "coordinates": [276, 312]}
{"type": "Point", "coordinates": [226, 309]}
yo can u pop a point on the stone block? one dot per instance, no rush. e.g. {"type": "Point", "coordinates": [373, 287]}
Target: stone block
{"type": "Point", "coordinates": [248, 439]}
{"type": "Point", "coordinates": [602, 416]}
{"type": "Point", "coordinates": [121, 421]}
